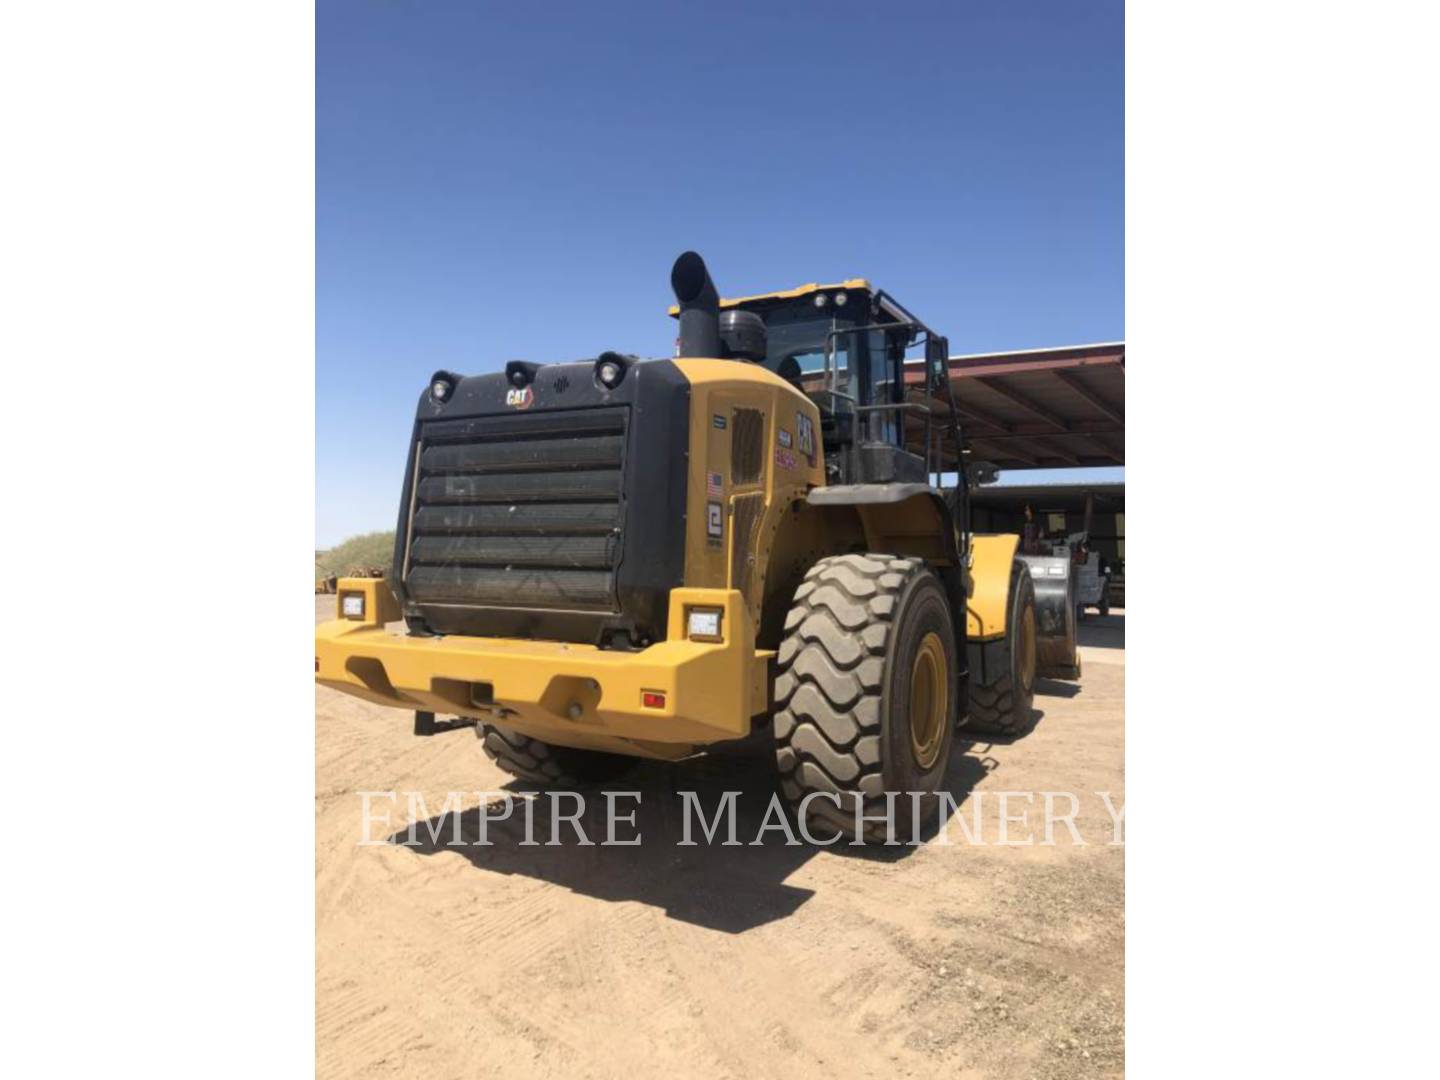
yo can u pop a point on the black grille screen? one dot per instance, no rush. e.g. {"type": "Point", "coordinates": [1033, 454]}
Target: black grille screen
{"type": "Point", "coordinates": [747, 446]}
{"type": "Point", "coordinates": [518, 511]}
{"type": "Point", "coordinates": [748, 511]}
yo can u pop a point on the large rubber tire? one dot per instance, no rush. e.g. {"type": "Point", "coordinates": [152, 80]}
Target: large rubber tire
{"type": "Point", "coordinates": [545, 763]}
{"type": "Point", "coordinates": [1006, 706]}
{"type": "Point", "coordinates": [845, 669]}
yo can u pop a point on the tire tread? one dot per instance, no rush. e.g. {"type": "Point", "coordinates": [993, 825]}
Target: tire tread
{"type": "Point", "coordinates": [997, 709]}
{"type": "Point", "coordinates": [540, 762]}
{"type": "Point", "coordinates": [831, 666]}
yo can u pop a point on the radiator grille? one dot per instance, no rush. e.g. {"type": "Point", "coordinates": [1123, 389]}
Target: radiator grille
{"type": "Point", "coordinates": [520, 511]}
{"type": "Point", "coordinates": [744, 538]}
{"type": "Point", "coordinates": [747, 446]}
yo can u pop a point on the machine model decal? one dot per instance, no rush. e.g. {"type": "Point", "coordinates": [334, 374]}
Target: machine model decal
{"type": "Point", "coordinates": [520, 398]}
{"type": "Point", "coordinates": [806, 430]}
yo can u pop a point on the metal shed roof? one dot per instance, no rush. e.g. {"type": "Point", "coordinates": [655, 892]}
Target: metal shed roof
{"type": "Point", "coordinates": [1040, 408]}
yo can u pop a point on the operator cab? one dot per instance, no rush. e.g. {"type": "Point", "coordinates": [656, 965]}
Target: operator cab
{"type": "Point", "coordinates": [849, 347]}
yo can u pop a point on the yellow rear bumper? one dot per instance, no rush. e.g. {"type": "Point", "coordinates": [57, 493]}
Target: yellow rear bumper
{"type": "Point", "coordinates": [575, 695]}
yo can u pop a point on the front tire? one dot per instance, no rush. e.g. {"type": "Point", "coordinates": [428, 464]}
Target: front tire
{"type": "Point", "coordinates": [1006, 705]}
{"type": "Point", "coordinates": [545, 763]}
{"type": "Point", "coordinates": [865, 693]}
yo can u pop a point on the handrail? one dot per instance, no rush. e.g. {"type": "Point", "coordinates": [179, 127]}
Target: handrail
{"type": "Point", "coordinates": [934, 383]}
{"type": "Point", "coordinates": [905, 405]}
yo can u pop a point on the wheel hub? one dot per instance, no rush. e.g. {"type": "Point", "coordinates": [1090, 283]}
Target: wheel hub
{"type": "Point", "coordinates": [929, 700]}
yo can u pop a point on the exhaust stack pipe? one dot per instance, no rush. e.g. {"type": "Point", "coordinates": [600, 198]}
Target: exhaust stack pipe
{"type": "Point", "coordinates": [699, 307]}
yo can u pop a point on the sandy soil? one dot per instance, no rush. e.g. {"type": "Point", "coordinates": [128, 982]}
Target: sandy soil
{"type": "Point", "coordinates": [961, 960]}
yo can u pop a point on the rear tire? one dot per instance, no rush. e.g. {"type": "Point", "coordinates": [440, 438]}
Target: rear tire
{"type": "Point", "coordinates": [545, 763]}
{"type": "Point", "coordinates": [865, 698]}
{"type": "Point", "coordinates": [1006, 706]}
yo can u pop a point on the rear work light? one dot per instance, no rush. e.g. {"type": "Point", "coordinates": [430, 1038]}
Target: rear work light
{"type": "Point", "coordinates": [703, 624]}
{"type": "Point", "coordinates": [442, 385]}
{"type": "Point", "coordinates": [652, 699]}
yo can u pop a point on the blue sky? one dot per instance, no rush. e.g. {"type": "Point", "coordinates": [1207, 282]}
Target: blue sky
{"type": "Point", "coordinates": [509, 181]}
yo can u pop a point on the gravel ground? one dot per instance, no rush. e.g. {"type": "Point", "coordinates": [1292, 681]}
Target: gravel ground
{"type": "Point", "coordinates": [960, 959]}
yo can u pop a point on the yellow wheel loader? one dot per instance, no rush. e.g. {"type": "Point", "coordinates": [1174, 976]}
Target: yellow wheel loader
{"type": "Point", "coordinates": [766, 536]}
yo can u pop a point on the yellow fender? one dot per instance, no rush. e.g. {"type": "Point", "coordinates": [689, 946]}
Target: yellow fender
{"type": "Point", "coordinates": [992, 558]}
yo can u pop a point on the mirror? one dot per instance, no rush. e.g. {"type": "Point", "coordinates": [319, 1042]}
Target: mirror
{"type": "Point", "coordinates": [937, 357]}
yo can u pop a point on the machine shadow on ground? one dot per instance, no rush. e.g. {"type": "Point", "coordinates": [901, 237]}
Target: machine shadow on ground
{"type": "Point", "coordinates": [712, 884]}
{"type": "Point", "coordinates": [1056, 688]}
{"type": "Point", "coordinates": [978, 743]}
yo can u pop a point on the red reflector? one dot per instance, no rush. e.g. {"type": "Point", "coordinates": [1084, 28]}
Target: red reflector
{"type": "Point", "coordinates": [652, 700]}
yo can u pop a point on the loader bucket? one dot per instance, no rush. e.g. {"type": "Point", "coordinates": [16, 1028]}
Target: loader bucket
{"type": "Point", "coordinates": [1057, 655]}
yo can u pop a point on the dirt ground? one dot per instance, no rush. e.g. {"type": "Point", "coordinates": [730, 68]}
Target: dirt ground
{"type": "Point", "coordinates": [958, 960]}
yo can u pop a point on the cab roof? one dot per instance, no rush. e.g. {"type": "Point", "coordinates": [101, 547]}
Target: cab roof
{"type": "Point", "coordinates": [787, 294]}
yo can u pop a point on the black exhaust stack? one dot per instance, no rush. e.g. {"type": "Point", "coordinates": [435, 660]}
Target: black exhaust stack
{"type": "Point", "coordinates": [699, 307]}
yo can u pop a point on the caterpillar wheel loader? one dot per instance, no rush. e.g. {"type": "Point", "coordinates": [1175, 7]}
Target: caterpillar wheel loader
{"type": "Point", "coordinates": [617, 559]}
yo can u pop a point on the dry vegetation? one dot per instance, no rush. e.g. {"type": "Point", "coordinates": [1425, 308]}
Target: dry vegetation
{"type": "Point", "coordinates": [369, 549]}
